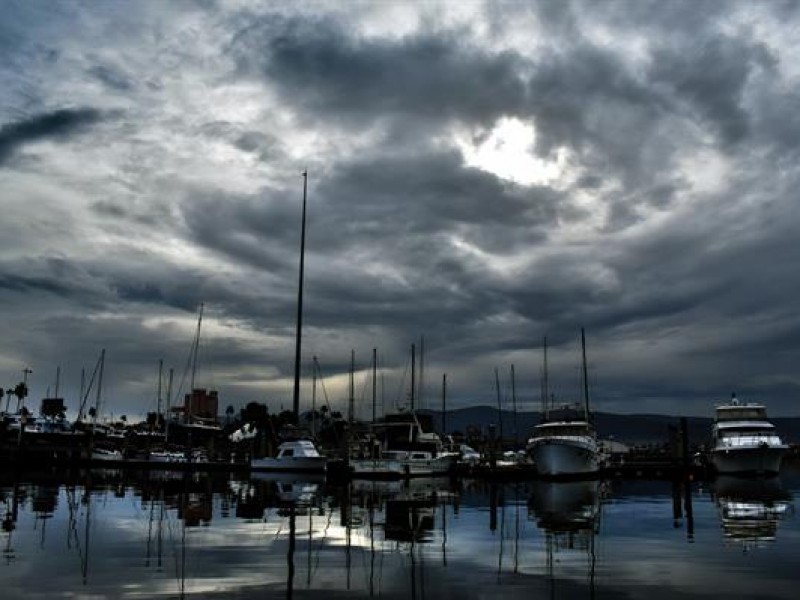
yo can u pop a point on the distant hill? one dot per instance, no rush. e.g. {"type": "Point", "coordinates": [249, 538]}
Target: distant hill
{"type": "Point", "coordinates": [631, 429]}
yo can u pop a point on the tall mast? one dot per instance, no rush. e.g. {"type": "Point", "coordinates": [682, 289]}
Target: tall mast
{"type": "Point", "coordinates": [444, 404]}
{"type": "Point", "coordinates": [314, 398]}
{"type": "Point", "coordinates": [585, 374]}
{"type": "Point", "coordinates": [196, 349]}
{"type": "Point", "coordinates": [351, 405]}
{"type": "Point", "coordinates": [296, 396]}
{"type": "Point", "coordinates": [374, 382]}
{"type": "Point", "coordinates": [413, 361]}
{"type": "Point", "coordinates": [99, 388]}
{"type": "Point", "coordinates": [158, 395]}
{"type": "Point", "coordinates": [499, 405]}
{"type": "Point", "coordinates": [545, 390]}
{"type": "Point", "coordinates": [58, 379]}
{"type": "Point", "coordinates": [83, 385]}
{"type": "Point", "coordinates": [169, 401]}
{"type": "Point", "coordinates": [514, 404]}
{"type": "Point", "coordinates": [421, 370]}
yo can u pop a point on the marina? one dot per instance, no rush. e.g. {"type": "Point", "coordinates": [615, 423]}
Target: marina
{"type": "Point", "coordinates": [426, 300]}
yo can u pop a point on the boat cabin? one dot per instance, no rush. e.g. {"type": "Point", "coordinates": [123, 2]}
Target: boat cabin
{"type": "Point", "coordinates": [297, 448]}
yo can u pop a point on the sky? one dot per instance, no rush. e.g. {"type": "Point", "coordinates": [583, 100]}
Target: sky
{"type": "Point", "coordinates": [480, 174]}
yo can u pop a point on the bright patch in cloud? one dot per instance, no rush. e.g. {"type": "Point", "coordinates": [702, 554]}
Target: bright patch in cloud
{"type": "Point", "coordinates": [507, 152]}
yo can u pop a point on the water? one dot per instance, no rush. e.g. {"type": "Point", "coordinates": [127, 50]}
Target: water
{"type": "Point", "coordinates": [168, 535]}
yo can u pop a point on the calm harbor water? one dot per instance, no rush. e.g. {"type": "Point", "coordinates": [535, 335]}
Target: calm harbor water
{"type": "Point", "coordinates": [106, 534]}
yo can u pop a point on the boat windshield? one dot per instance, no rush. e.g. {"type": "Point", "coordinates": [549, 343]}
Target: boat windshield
{"type": "Point", "coordinates": [570, 429]}
{"type": "Point", "coordinates": [741, 413]}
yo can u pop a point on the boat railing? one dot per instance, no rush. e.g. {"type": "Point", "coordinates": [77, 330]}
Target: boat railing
{"type": "Point", "coordinates": [734, 439]}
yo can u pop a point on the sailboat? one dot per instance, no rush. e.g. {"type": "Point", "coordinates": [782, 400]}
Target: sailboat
{"type": "Point", "coordinates": [565, 442]}
{"type": "Point", "coordinates": [296, 454]}
{"type": "Point", "coordinates": [406, 449]}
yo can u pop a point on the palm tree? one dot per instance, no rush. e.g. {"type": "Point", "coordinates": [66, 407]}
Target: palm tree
{"type": "Point", "coordinates": [9, 393]}
{"type": "Point", "coordinates": [21, 392]}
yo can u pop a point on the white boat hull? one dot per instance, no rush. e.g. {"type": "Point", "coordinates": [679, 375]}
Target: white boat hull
{"type": "Point", "coordinates": [314, 464]}
{"type": "Point", "coordinates": [748, 459]}
{"type": "Point", "coordinates": [555, 457]}
{"type": "Point", "coordinates": [377, 468]}
{"type": "Point", "coordinates": [391, 468]}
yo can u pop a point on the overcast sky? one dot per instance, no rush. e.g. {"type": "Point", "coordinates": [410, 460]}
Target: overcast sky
{"type": "Point", "coordinates": [480, 174]}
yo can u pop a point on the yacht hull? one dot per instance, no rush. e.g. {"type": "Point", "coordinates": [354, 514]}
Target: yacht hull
{"type": "Point", "coordinates": [560, 457]}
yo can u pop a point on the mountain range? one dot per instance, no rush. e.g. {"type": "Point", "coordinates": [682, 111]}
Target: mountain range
{"type": "Point", "coordinates": [630, 429]}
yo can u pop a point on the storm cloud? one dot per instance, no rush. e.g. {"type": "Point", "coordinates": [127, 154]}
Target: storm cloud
{"type": "Point", "coordinates": [482, 175]}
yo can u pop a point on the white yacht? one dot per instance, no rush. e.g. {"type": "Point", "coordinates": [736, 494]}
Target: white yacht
{"type": "Point", "coordinates": [564, 447]}
{"type": "Point", "coordinates": [295, 455]}
{"type": "Point", "coordinates": [565, 442]}
{"type": "Point", "coordinates": [744, 441]}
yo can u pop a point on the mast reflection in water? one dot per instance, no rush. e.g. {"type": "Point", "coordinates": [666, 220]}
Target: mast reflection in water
{"type": "Point", "coordinates": [112, 534]}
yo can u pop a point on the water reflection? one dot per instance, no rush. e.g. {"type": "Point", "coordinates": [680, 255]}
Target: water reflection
{"type": "Point", "coordinates": [179, 535]}
{"type": "Point", "coordinates": [569, 514]}
{"type": "Point", "coordinates": [750, 508]}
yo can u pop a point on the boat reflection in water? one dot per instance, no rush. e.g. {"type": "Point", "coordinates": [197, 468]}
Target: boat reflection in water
{"type": "Point", "coordinates": [568, 512]}
{"type": "Point", "coordinates": [750, 508]}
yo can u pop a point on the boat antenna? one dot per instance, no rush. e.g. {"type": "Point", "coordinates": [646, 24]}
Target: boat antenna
{"type": "Point", "coordinates": [585, 374]}
{"type": "Point", "coordinates": [296, 396]}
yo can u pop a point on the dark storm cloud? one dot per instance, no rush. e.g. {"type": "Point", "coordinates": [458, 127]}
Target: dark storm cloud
{"type": "Point", "coordinates": [320, 66]}
{"type": "Point", "coordinates": [58, 276]}
{"type": "Point", "coordinates": [58, 124]}
{"type": "Point", "coordinates": [670, 230]}
{"type": "Point", "coordinates": [259, 230]}
{"type": "Point", "coordinates": [711, 76]}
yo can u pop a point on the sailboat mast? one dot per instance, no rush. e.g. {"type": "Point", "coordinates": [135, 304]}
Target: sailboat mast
{"type": "Point", "coordinates": [499, 405]}
{"type": "Point", "coordinates": [444, 403]}
{"type": "Point", "coordinates": [585, 374]}
{"type": "Point", "coordinates": [196, 349]}
{"type": "Point", "coordinates": [158, 395]}
{"type": "Point", "coordinates": [296, 395]}
{"type": "Point", "coordinates": [514, 405]}
{"type": "Point", "coordinates": [545, 390]}
{"type": "Point", "coordinates": [413, 361]}
{"type": "Point", "coordinates": [421, 370]}
{"type": "Point", "coordinates": [314, 398]}
{"type": "Point", "coordinates": [351, 403]}
{"type": "Point", "coordinates": [374, 382]}
{"type": "Point", "coordinates": [169, 402]}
